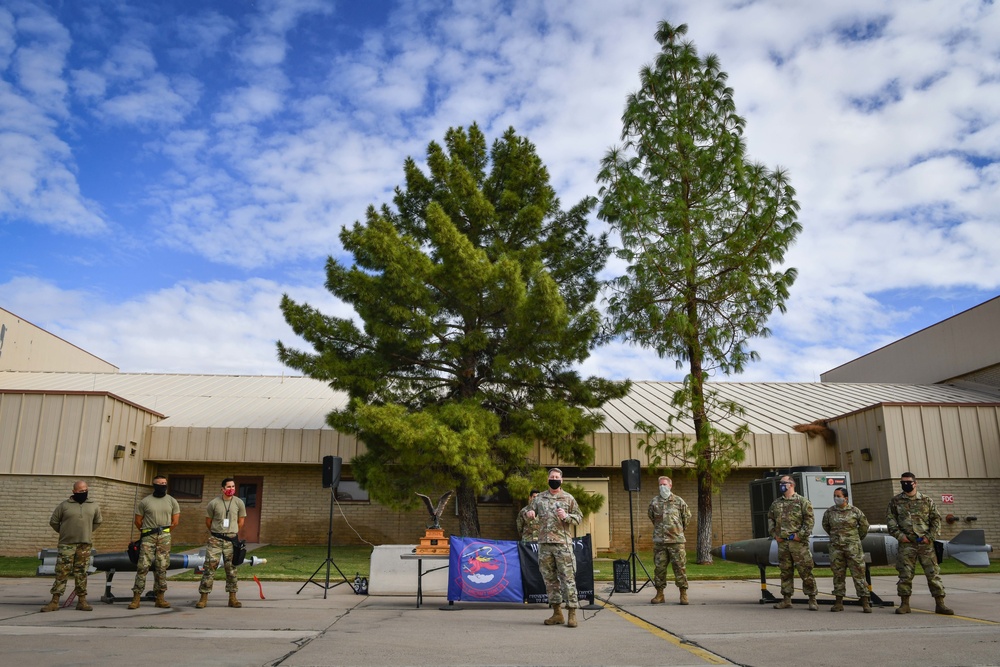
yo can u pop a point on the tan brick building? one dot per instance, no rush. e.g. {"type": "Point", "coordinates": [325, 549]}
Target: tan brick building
{"type": "Point", "coordinates": [117, 430]}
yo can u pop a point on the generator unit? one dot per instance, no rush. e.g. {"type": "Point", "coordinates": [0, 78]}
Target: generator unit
{"type": "Point", "coordinates": [810, 481]}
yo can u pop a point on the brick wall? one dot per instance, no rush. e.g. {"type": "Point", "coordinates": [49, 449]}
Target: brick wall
{"type": "Point", "coordinates": [730, 509]}
{"type": "Point", "coordinates": [295, 509]}
{"type": "Point", "coordinates": [973, 497]}
{"type": "Point", "coordinates": [28, 501]}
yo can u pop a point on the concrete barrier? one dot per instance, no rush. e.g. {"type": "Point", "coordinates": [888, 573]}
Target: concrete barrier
{"type": "Point", "coordinates": [392, 575]}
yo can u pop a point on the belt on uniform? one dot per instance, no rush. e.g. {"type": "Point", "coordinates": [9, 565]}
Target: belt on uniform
{"type": "Point", "coordinates": [223, 536]}
{"type": "Point", "coordinates": [155, 531]}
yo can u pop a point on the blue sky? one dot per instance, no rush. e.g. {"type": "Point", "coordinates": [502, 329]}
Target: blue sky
{"type": "Point", "coordinates": [168, 170]}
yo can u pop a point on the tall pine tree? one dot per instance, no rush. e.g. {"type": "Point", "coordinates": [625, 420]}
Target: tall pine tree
{"type": "Point", "coordinates": [702, 229]}
{"type": "Point", "coordinates": [476, 295]}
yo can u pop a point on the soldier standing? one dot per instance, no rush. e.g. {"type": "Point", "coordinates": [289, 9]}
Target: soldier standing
{"type": "Point", "coordinates": [847, 526]}
{"type": "Point", "coordinates": [915, 522]}
{"type": "Point", "coordinates": [670, 515]}
{"type": "Point", "coordinates": [155, 515]}
{"type": "Point", "coordinates": [556, 512]}
{"type": "Point", "coordinates": [224, 519]}
{"type": "Point", "coordinates": [528, 528]}
{"type": "Point", "coordinates": [790, 522]}
{"type": "Point", "coordinates": [75, 519]}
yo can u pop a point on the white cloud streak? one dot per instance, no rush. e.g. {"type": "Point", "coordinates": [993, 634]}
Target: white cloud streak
{"type": "Point", "coordinates": [261, 133]}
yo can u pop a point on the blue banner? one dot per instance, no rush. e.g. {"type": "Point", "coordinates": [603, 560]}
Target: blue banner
{"type": "Point", "coordinates": [484, 571]}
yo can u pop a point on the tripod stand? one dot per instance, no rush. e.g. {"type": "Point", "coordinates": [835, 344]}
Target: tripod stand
{"type": "Point", "coordinates": [329, 561]}
{"type": "Point", "coordinates": [632, 557]}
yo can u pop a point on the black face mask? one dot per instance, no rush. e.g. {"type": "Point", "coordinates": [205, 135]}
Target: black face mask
{"type": "Point", "coordinates": [80, 496]}
{"type": "Point", "coordinates": [907, 486]}
{"type": "Point", "coordinates": [159, 490]}
{"type": "Point", "coordinates": [555, 483]}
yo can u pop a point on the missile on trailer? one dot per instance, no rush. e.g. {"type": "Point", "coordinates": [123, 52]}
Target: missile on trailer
{"type": "Point", "coordinates": [968, 547]}
{"type": "Point", "coordinates": [120, 562]}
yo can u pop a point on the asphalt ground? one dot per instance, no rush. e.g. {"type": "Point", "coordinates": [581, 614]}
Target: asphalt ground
{"type": "Point", "coordinates": [724, 624]}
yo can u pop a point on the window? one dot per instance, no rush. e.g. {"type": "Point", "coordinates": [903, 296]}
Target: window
{"type": "Point", "coordinates": [185, 487]}
{"type": "Point", "coordinates": [248, 493]}
{"type": "Point", "coordinates": [500, 496]}
{"type": "Point", "coordinates": [349, 491]}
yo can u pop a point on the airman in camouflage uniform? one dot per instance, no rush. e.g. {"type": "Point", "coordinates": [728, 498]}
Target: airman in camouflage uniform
{"type": "Point", "coordinates": [914, 521]}
{"type": "Point", "coordinates": [527, 528]}
{"type": "Point", "coordinates": [155, 516]}
{"type": "Point", "coordinates": [556, 512]}
{"type": "Point", "coordinates": [847, 526]}
{"type": "Point", "coordinates": [224, 518]}
{"type": "Point", "coordinates": [75, 520]}
{"type": "Point", "coordinates": [790, 522]}
{"type": "Point", "coordinates": [670, 515]}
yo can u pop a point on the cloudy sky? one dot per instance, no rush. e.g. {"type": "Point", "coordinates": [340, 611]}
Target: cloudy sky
{"type": "Point", "coordinates": [169, 169]}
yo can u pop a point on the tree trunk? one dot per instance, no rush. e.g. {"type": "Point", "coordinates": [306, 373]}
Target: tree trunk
{"type": "Point", "coordinates": [468, 512]}
{"type": "Point", "coordinates": [705, 488]}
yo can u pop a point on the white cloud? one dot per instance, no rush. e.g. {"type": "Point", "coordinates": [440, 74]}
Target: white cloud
{"type": "Point", "coordinates": [276, 133]}
{"type": "Point", "coordinates": [214, 327]}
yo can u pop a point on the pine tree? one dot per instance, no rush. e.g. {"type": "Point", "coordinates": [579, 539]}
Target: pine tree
{"type": "Point", "coordinates": [476, 296]}
{"type": "Point", "coordinates": [702, 229]}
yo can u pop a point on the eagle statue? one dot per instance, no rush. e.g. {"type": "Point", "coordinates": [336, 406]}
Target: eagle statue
{"type": "Point", "coordinates": [436, 511]}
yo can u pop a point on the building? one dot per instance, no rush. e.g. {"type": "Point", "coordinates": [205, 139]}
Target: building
{"type": "Point", "coordinates": [117, 430]}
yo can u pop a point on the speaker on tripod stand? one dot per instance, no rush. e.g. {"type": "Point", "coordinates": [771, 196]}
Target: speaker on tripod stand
{"type": "Point", "coordinates": [331, 478]}
{"type": "Point", "coordinates": [631, 474]}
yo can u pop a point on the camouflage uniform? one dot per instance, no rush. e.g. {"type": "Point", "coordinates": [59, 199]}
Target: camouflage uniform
{"type": "Point", "coordinates": [527, 528]}
{"type": "Point", "coordinates": [75, 523]}
{"type": "Point", "coordinates": [220, 547]}
{"type": "Point", "coordinates": [793, 516]}
{"type": "Point", "coordinates": [556, 560]}
{"type": "Point", "coordinates": [912, 518]}
{"type": "Point", "coordinates": [154, 550]}
{"type": "Point", "coordinates": [847, 526]}
{"type": "Point", "coordinates": [670, 517]}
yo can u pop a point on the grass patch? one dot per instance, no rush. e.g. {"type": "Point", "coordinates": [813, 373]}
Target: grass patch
{"type": "Point", "coordinates": [299, 563]}
{"type": "Point", "coordinates": [723, 569]}
{"type": "Point", "coordinates": [18, 566]}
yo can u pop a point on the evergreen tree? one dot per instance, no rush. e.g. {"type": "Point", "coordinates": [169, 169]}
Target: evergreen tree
{"type": "Point", "coordinates": [476, 296]}
{"type": "Point", "coordinates": [702, 229]}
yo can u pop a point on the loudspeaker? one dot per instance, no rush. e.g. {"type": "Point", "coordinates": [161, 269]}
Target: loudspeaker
{"type": "Point", "coordinates": [630, 474]}
{"type": "Point", "coordinates": [331, 471]}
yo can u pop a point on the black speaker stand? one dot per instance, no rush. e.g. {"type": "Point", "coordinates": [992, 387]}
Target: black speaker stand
{"type": "Point", "coordinates": [329, 560]}
{"type": "Point", "coordinates": [633, 557]}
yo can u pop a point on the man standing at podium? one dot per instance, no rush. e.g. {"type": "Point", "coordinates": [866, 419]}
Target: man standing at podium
{"type": "Point", "coordinates": [557, 511]}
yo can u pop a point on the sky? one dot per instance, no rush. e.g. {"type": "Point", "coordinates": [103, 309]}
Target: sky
{"type": "Point", "coordinates": [168, 170]}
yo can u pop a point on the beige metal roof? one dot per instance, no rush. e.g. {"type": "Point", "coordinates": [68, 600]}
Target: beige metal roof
{"type": "Point", "coordinates": [282, 402]}
{"type": "Point", "coordinates": [207, 401]}
{"type": "Point", "coordinates": [774, 407]}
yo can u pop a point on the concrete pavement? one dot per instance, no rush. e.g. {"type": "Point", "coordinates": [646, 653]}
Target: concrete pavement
{"type": "Point", "coordinates": [724, 624]}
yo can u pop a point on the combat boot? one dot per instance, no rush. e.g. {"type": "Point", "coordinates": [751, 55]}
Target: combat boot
{"type": "Point", "coordinates": [684, 596]}
{"type": "Point", "coordinates": [838, 605]}
{"type": "Point", "coordinates": [904, 605]}
{"type": "Point", "coordinates": [53, 605]}
{"type": "Point", "coordinates": [134, 604]}
{"type": "Point", "coordinates": [786, 603]}
{"type": "Point", "coordinates": [941, 608]}
{"type": "Point", "coordinates": [556, 618]}
{"type": "Point", "coordinates": [658, 598]}
{"type": "Point", "coordinates": [571, 620]}
{"type": "Point", "coordinates": [81, 603]}
{"type": "Point", "coordinates": [866, 605]}
{"type": "Point", "coordinates": [812, 603]}
{"type": "Point", "coordinates": [233, 602]}
{"type": "Point", "coordinates": [202, 602]}
{"type": "Point", "coordinates": [160, 602]}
